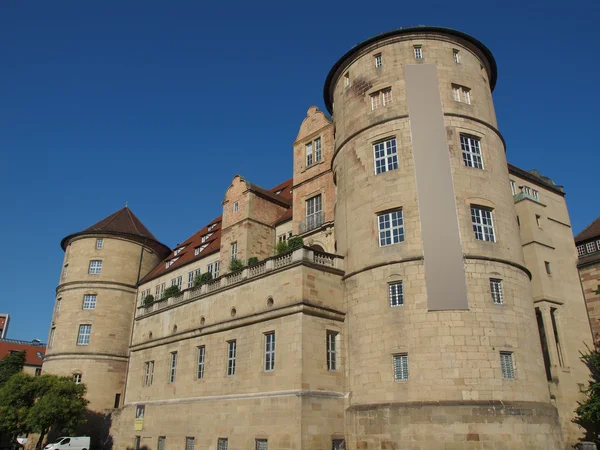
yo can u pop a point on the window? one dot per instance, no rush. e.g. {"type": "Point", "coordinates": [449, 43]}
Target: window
{"type": "Point", "coordinates": [381, 98]}
{"type": "Point", "coordinates": [231, 351]}
{"type": "Point", "coordinates": [234, 250]}
{"type": "Point", "coordinates": [590, 247]}
{"type": "Point", "coordinates": [38, 371]}
{"type": "Point", "coordinates": [95, 267]}
{"type": "Point", "coordinates": [544, 342]}
{"type": "Point", "coordinates": [162, 440]}
{"type": "Point", "coordinates": [177, 251]}
{"type": "Point", "coordinates": [206, 236]}
{"type": "Point", "coordinates": [418, 52]}
{"type": "Point", "coordinates": [338, 444]}
{"type": "Point", "coordinates": [148, 373]}
{"type": "Point", "coordinates": [51, 338]}
{"type": "Point", "coordinates": [391, 228]}
{"type": "Point", "coordinates": [396, 294]}
{"type": "Point", "coordinates": [216, 272]}
{"type": "Point", "coordinates": [506, 363]}
{"type": "Point", "coordinates": [347, 79]}
{"type": "Point", "coordinates": [177, 281]}
{"type": "Point", "coordinates": [471, 151]}
{"type": "Point", "coordinates": [117, 400]}
{"type": "Point", "coordinates": [461, 94]}
{"type": "Point", "coordinates": [496, 289]}
{"type": "Point", "coordinates": [83, 337]}
{"type": "Point", "coordinates": [456, 55]}
{"type": "Point", "coordinates": [483, 224]}
{"type": "Point", "coordinates": [99, 243]}
{"type": "Point", "coordinates": [201, 356]}
{"type": "Point", "coordinates": [261, 444]}
{"type": "Point", "coordinates": [547, 264]}
{"type": "Point", "coordinates": [209, 268]}
{"type": "Point", "coordinates": [513, 187]}
{"type": "Point", "coordinates": [401, 367]}
{"type": "Point", "coordinates": [138, 442]}
{"type": "Point", "coordinates": [173, 367]}
{"type": "Point", "coordinates": [58, 303]}
{"type": "Point", "coordinates": [553, 314]}
{"type": "Point", "coordinates": [309, 154]}
{"type": "Point", "coordinates": [332, 350]}
{"type": "Point", "coordinates": [318, 152]}
{"type": "Point", "coordinates": [222, 444]}
{"type": "Point", "coordinates": [284, 237]}
{"type": "Point", "coordinates": [378, 60]}
{"type": "Point", "coordinates": [535, 194]}
{"type": "Point", "coordinates": [210, 227]}
{"type": "Point", "coordinates": [314, 217]}
{"type": "Point", "coordinates": [77, 378]}
{"type": "Point", "coordinates": [65, 271]}
{"type": "Point", "coordinates": [270, 351]}
{"type": "Point", "coordinates": [89, 302]}
{"type": "Point", "coordinates": [580, 250]}
{"type": "Point", "coordinates": [236, 207]}
{"type": "Point", "coordinates": [190, 279]}
{"type": "Point", "coordinates": [385, 156]}
{"type": "Point", "coordinates": [537, 220]}
{"type": "Point", "coordinates": [189, 443]}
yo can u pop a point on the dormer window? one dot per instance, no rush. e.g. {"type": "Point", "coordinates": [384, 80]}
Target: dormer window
{"type": "Point", "coordinates": [171, 262]}
{"type": "Point", "coordinates": [206, 236]}
{"type": "Point", "coordinates": [210, 227]}
{"type": "Point", "coordinates": [197, 250]}
{"type": "Point", "coordinates": [178, 251]}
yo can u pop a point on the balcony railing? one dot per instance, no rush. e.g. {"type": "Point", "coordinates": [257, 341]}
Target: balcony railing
{"type": "Point", "coordinates": [311, 222]}
{"type": "Point", "coordinates": [274, 263]}
{"type": "Point", "coordinates": [524, 195]}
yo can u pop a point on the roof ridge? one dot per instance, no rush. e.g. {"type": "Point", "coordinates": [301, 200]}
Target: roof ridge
{"type": "Point", "coordinates": [132, 217]}
{"type": "Point", "coordinates": [113, 216]}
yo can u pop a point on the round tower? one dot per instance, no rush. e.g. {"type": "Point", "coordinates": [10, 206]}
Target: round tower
{"type": "Point", "coordinates": [442, 338]}
{"type": "Point", "coordinates": [95, 304]}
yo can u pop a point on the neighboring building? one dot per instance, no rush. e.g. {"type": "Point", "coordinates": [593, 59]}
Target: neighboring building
{"type": "Point", "coordinates": [34, 353]}
{"type": "Point", "coordinates": [4, 319]}
{"type": "Point", "coordinates": [588, 249]}
{"type": "Point", "coordinates": [430, 305]}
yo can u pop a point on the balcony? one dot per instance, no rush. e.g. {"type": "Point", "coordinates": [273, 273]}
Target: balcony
{"type": "Point", "coordinates": [525, 196]}
{"type": "Point", "coordinates": [274, 264]}
{"type": "Point", "coordinates": [311, 222]}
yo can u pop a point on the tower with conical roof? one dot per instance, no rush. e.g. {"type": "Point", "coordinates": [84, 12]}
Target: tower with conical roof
{"type": "Point", "coordinates": [95, 303]}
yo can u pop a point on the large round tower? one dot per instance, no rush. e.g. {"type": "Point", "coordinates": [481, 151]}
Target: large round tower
{"type": "Point", "coordinates": [95, 304]}
{"type": "Point", "coordinates": [443, 344]}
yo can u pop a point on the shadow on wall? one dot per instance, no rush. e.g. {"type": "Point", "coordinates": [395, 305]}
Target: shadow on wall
{"type": "Point", "coordinates": [141, 448]}
{"type": "Point", "coordinates": [97, 427]}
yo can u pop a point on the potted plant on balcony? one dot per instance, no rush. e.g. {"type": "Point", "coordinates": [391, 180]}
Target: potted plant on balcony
{"type": "Point", "coordinates": [252, 261]}
{"type": "Point", "coordinates": [148, 300]}
{"type": "Point", "coordinates": [171, 291]}
{"type": "Point", "coordinates": [202, 279]}
{"type": "Point", "coordinates": [295, 243]}
{"type": "Point", "coordinates": [282, 247]}
{"type": "Point", "coordinates": [235, 265]}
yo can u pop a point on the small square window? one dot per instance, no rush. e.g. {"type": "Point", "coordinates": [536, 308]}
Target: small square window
{"type": "Point", "coordinates": [378, 60]}
{"type": "Point", "coordinates": [418, 52]}
{"type": "Point", "coordinates": [222, 444]}
{"type": "Point", "coordinates": [456, 55]}
{"type": "Point", "coordinates": [507, 365]}
{"type": "Point", "coordinates": [590, 247]}
{"type": "Point", "coordinates": [77, 378]}
{"type": "Point", "coordinates": [581, 250]}
{"type": "Point", "coordinates": [261, 444]}
{"type": "Point", "coordinates": [95, 267]}
{"type": "Point", "coordinates": [496, 289]}
{"type": "Point", "coordinates": [548, 270]}
{"type": "Point", "coordinates": [461, 94]}
{"type": "Point", "coordinates": [99, 243]}
{"type": "Point", "coordinates": [89, 302]}
{"type": "Point", "coordinates": [401, 367]}
{"type": "Point", "coordinates": [236, 207]}
{"type": "Point", "coordinates": [396, 294]}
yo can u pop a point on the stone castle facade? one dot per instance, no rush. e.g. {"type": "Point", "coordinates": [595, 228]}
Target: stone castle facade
{"type": "Point", "coordinates": [435, 304]}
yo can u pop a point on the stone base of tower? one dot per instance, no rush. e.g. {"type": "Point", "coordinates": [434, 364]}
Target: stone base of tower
{"type": "Point", "coordinates": [460, 425]}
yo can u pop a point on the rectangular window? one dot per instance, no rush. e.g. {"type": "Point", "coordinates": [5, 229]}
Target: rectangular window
{"type": "Point", "coordinates": [162, 440]}
{"type": "Point", "coordinates": [51, 338]}
{"type": "Point", "coordinates": [83, 337]}
{"type": "Point", "coordinates": [309, 154]}
{"type": "Point", "coordinates": [396, 294]}
{"type": "Point", "coordinates": [544, 342]}
{"type": "Point", "coordinates": [209, 268]}
{"type": "Point", "coordinates": [547, 265]}
{"type": "Point", "coordinates": [338, 444]}
{"type": "Point", "coordinates": [190, 279]}
{"type": "Point", "coordinates": [401, 367]}
{"type": "Point", "coordinates": [58, 303]}
{"type": "Point", "coordinates": [418, 52]}
{"type": "Point", "coordinates": [270, 351]}
{"type": "Point", "coordinates": [173, 368]}
{"type": "Point", "coordinates": [385, 156]}
{"type": "Point", "coordinates": [347, 79]}
{"type": "Point", "coordinates": [456, 54]}
{"type": "Point", "coordinates": [538, 221]}
{"type": "Point", "coordinates": [496, 289]}
{"type": "Point", "coordinates": [234, 250]}
{"type": "Point", "coordinates": [261, 444]}
{"type": "Point", "coordinates": [38, 371]}
{"type": "Point", "coordinates": [117, 400]}
{"type": "Point", "coordinates": [386, 96]}
{"type": "Point", "coordinates": [99, 243]}
{"type": "Point", "coordinates": [236, 207]}
{"type": "Point", "coordinates": [138, 442]}
{"type": "Point", "coordinates": [189, 443]}
{"type": "Point", "coordinates": [314, 208]}
{"type": "Point", "coordinates": [535, 194]}
{"type": "Point", "coordinates": [148, 373]}
{"type": "Point", "coordinates": [471, 151]}
{"type": "Point", "coordinates": [506, 363]}
{"type": "Point", "coordinates": [201, 356]}
{"type": "Point", "coordinates": [89, 302]}
{"type": "Point", "coordinates": [178, 281]}
{"type": "Point", "coordinates": [65, 271]}
{"type": "Point", "coordinates": [231, 353]}
{"type": "Point", "coordinates": [513, 187]}
{"type": "Point", "coordinates": [381, 98]}
{"type": "Point", "coordinates": [581, 250]}
{"type": "Point", "coordinates": [391, 228]}
{"type": "Point", "coordinates": [590, 247]}
{"type": "Point", "coordinates": [77, 378]}
{"type": "Point", "coordinates": [461, 94]}
{"type": "Point", "coordinates": [216, 272]}
{"type": "Point", "coordinates": [378, 60]}
{"type": "Point", "coordinates": [95, 267]}
{"type": "Point", "coordinates": [332, 350]}
{"type": "Point", "coordinates": [553, 314]}
{"type": "Point", "coordinates": [318, 151]}
{"type": "Point", "coordinates": [222, 444]}
{"type": "Point", "coordinates": [483, 224]}
{"type": "Point", "coordinates": [375, 101]}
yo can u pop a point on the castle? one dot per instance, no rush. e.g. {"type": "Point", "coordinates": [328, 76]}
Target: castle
{"type": "Point", "coordinates": [435, 302]}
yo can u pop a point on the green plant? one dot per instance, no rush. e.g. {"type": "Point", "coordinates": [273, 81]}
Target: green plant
{"type": "Point", "coordinates": [252, 261]}
{"type": "Point", "coordinates": [171, 291]}
{"type": "Point", "coordinates": [148, 300]}
{"type": "Point", "coordinates": [295, 242]}
{"type": "Point", "coordinates": [282, 247]}
{"type": "Point", "coordinates": [235, 265]}
{"type": "Point", "coordinates": [588, 411]}
{"type": "Point", "coordinates": [202, 279]}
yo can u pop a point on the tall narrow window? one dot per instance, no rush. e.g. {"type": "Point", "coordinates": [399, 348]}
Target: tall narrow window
{"type": "Point", "coordinates": [507, 365]}
{"type": "Point", "coordinates": [162, 440]}
{"type": "Point", "coordinates": [216, 272]}
{"type": "Point", "coordinates": [391, 228]}
{"type": "Point", "coordinates": [338, 444]}
{"type": "Point", "coordinates": [418, 52]}
{"type": "Point", "coordinates": [201, 357]}
{"type": "Point", "coordinates": [496, 289]}
{"type": "Point", "coordinates": [95, 267]}
{"type": "Point", "coordinates": [234, 250]}
{"type": "Point", "coordinates": [138, 442]}
{"type": "Point", "coordinates": [548, 270]}
{"type": "Point", "coordinates": [318, 151]}
{"type": "Point", "coordinates": [553, 314]}
{"type": "Point", "coordinates": [543, 342]}
{"type": "Point", "coordinates": [65, 271]}
{"type": "Point", "coordinates": [538, 220]}
{"type": "Point", "coordinates": [190, 279]}
{"type": "Point", "coordinates": [535, 194]}
{"type": "Point", "coordinates": [99, 243]}
{"type": "Point", "coordinates": [236, 207]}
{"type": "Point", "coordinates": [347, 79]}
{"type": "Point", "coordinates": [309, 154]}
{"type": "Point", "coordinates": [513, 187]}
{"type": "Point", "coordinates": [332, 350]}
{"type": "Point", "coordinates": [378, 60]}
{"type": "Point", "coordinates": [483, 224]}
{"type": "Point", "coordinates": [51, 338]}
{"type": "Point", "coordinates": [375, 101]}
{"type": "Point", "coordinates": [148, 373]}
{"type": "Point", "coordinates": [314, 209]}
{"type": "Point", "coordinates": [270, 351]}
{"type": "Point", "coordinates": [58, 303]}
{"type": "Point", "coordinates": [222, 444]}
{"type": "Point", "coordinates": [189, 443]}
{"type": "Point", "coordinates": [471, 151]}
{"type": "Point", "coordinates": [83, 337]}
{"type": "Point", "coordinates": [117, 400]}
{"type": "Point", "coordinates": [261, 444]}
{"type": "Point", "coordinates": [77, 378]}
{"type": "Point", "coordinates": [89, 302]}
{"type": "Point", "coordinates": [385, 156]}
{"type": "Point", "coordinates": [231, 354]}
{"type": "Point", "coordinates": [396, 294]}
{"type": "Point", "coordinates": [456, 55]}
{"type": "Point", "coordinates": [401, 367]}
{"type": "Point", "coordinates": [173, 367]}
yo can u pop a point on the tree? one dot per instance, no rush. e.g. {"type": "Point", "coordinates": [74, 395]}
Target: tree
{"type": "Point", "coordinates": [11, 364]}
{"type": "Point", "coordinates": [17, 396]}
{"type": "Point", "coordinates": [588, 412]}
{"type": "Point", "coordinates": [282, 247]}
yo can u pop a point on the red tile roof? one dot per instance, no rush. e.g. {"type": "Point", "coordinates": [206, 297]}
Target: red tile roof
{"type": "Point", "coordinates": [589, 232]}
{"type": "Point", "coordinates": [31, 350]}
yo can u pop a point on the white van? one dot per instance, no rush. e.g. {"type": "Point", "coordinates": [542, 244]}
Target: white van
{"type": "Point", "coordinates": [70, 443]}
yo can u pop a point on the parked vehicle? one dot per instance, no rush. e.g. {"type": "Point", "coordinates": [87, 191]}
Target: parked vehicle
{"type": "Point", "coordinates": [70, 443]}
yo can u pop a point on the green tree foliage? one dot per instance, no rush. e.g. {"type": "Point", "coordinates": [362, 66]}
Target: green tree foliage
{"type": "Point", "coordinates": [17, 396]}
{"type": "Point", "coordinates": [282, 247]}
{"type": "Point", "coordinates": [11, 364]}
{"type": "Point", "coordinates": [252, 261]}
{"type": "Point", "coordinates": [295, 243]}
{"type": "Point", "coordinates": [236, 265]}
{"type": "Point", "coordinates": [202, 279]}
{"type": "Point", "coordinates": [171, 291]}
{"type": "Point", "coordinates": [588, 412]}
{"type": "Point", "coordinates": [148, 300]}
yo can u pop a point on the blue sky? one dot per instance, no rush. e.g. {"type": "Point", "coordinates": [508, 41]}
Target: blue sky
{"type": "Point", "coordinates": [161, 103]}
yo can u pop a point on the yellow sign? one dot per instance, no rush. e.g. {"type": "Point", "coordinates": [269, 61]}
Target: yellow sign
{"type": "Point", "coordinates": [138, 425]}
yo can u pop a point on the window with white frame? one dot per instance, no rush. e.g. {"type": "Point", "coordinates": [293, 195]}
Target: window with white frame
{"type": "Point", "coordinates": [284, 237]}
{"type": "Point", "coordinates": [201, 358]}
{"type": "Point", "coordinates": [401, 367]}
{"type": "Point", "coordinates": [51, 338]}
{"type": "Point", "coordinates": [173, 367]}
{"type": "Point", "coordinates": [418, 52]}
{"type": "Point", "coordinates": [190, 443]}
{"type": "Point", "coordinates": [196, 273]}
{"type": "Point", "coordinates": [581, 250]}
{"type": "Point", "coordinates": [177, 251]}
{"type": "Point", "coordinates": [378, 60]}
{"type": "Point", "coordinates": [89, 301]}
{"type": "Point", "coordinates": [236, 207]}
{"type": "Point", "coordinates": [206, 236]}
{"type": "Point", "coordinates": [381, 98]}
{"type": "Point", "coordinates": [95, 267]}
{"type": "Point", "coordinates": [318, 154]}
{"type": "Point", "coordinates": [507, 365]}
{"type": "Point", "coordinates": [590, 247]}
{"type": "Point", "coordinates": [456, 55]}
{"type": "Point", "coordinates": [309, 154]}
{"type": "Point", "coordinates": [347, 79]}
{"type": "Point", "coordinates": [83, 337]}
{"type": "Point", "coordinates": [261, 444]}
{"type": "Point", "coordinates": [391, 228]}
{"type": "Point", "coordinates": [234, 250]}
{"type": "Point", "coordinates": [483, 224]}
{"type": "Point", "coordinates": [99, 243]}
{"type": "Point", "coordinates": [396, 294]}
{"type": "Point", "coordinates": [314, 209]}
{"type": "Point", "coordinates": [212, 226]}
{"type": "Point", "coordinates": [496, 289]}
{"type": "Point", "coordinates": [209, 268]}
{"type": "Point", "coordinates": [461, 94]}
{"type": "Point", "coordinates": [471, 151]}
{"type": "Point", "coordinates": [269, 351]}
{"type": "Point", "coordinates": [338, 444]}
{"type": "Point", "coordinates": [222, 444]}
{"type": "Point", "coordinates": [216, 269]}
{"type": "Point", "coordinates": [231, 354]}
{"type": "Point", "coordinates": [318, 150]}
{"type": "Point", "coordinates": [177, 282]}
{"type": "Point", "coordinates": [385, 156]}
{"type": "Point", "coordinates": [513, 187]}
{"type": "Point", "coordinates": [170, 262]}
{"type": "Point", "coordinates": [190, 279]}
{"type": "Point", "coordinates": [77, 378]}
{"type": "Point", "coordinates": [332, 350]}
{"type": "Point", "coordinates": [148, 373]}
